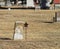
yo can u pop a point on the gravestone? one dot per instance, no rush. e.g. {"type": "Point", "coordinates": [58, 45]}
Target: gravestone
{"type": "Point", "coordinates": [7, 3]}
{"type": "Point", "coordinates": [57, 16]}
{"type": "Point", "coordinates": [2, 3]}
{"type": "Point", "coordinates": [18, 35]}
{"type": "Point", "coordinates": [9, 9]}
{"type": "Point", "coordinates": [30, 3]}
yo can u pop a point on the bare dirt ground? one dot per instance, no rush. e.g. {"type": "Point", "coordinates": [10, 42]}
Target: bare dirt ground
{"type": "Point", "coordinates": [42, 44]}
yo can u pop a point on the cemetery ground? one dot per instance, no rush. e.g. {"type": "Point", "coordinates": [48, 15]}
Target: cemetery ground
{"type": "Point", "coordinates": [42, 31]}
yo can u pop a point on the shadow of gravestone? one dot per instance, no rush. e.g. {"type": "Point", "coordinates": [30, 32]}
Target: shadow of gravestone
{"type": "Point", "coordinates": [5, 39]}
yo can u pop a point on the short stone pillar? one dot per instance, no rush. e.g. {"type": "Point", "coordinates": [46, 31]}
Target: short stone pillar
{"type": "Point", "coordinates": [18, 34]}
{"type": "Point", "coordinates": [57, 16]}
{"type": "Point", "coordinates": [7, 3]}
{"type": "Point", "coordinates": [30, 3]}
{"type": "Point", "coordinates": [9, 9]}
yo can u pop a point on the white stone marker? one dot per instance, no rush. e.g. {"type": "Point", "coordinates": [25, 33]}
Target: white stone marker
{"type": "Point", "coordinates": [58, 19]}
{"type": "Point", "coordinates": [8, 3]}
{"type": "Point", "coordinates": [18, 34]}
{"type": "Point", "coordinates": [30, 3]}
{"type": "Point", "coordinates": [9, 9]}
{"type": "Point", "coordinates": [58, 16]}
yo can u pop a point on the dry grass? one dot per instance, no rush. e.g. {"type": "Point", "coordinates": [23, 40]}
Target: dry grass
{"type": "Point", "coordinates": [40, 33]}
{"type": "Point", "coordinates": [29, 44]}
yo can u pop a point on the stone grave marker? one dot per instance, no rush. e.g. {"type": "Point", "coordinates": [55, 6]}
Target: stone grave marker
{"type": "Point", "coordinates": [18, 35]}
{"type": "Point", "coordinates": [7, 3]}
{"type": "Point", "coordinates": [57, 16]}
{"type": "Point", "coordinates": [30, 3]}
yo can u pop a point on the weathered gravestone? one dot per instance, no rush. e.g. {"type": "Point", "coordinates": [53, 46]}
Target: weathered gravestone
{"type": "Point", "coordinates": [57, 16]}
{"type": "Point", "coordinates": [18, 35]}
{"type": "Point", "coordinates": [2, 3]}
{"type": "Point", "coordinates": [30, 3]}
{"type": "Point", "coordinates": [7, 3]}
